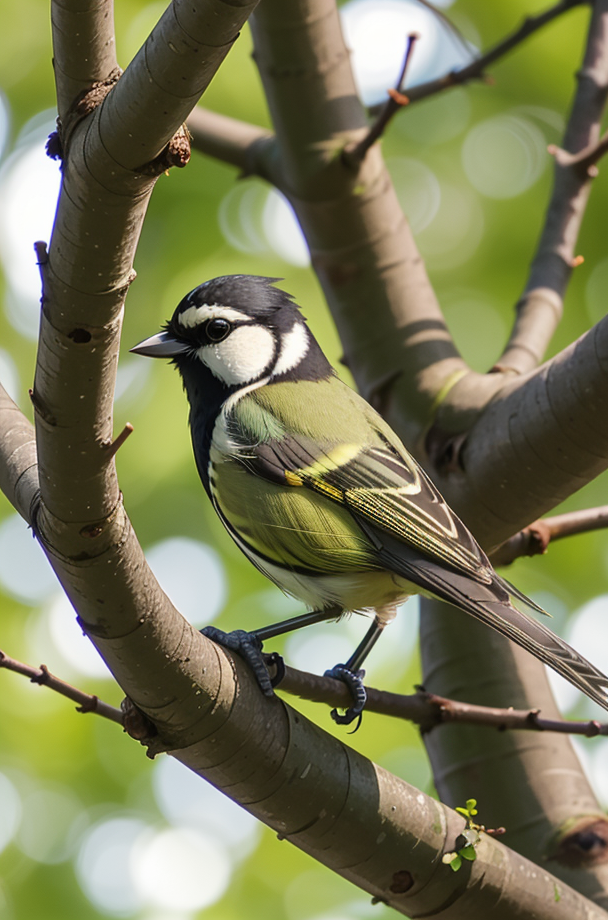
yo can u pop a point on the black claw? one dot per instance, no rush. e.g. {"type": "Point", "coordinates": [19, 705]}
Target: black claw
{"type": "Point", "coordinates": [249, 647]}
{"type": "Point", "coordinates": [354, 681]}
{"type": "Point", "coordinates": [275, 660]}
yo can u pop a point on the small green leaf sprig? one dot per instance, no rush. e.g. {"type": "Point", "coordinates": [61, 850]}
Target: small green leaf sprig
{"type": "Point", "coordinates": [471, 835]}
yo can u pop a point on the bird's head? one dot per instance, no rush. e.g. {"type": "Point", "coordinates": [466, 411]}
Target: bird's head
{"type": "Point", "coordinates": [240, 330]}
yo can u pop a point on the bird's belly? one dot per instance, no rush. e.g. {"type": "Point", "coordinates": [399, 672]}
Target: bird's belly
{"type": "Point", "coordinates": [359, 591]}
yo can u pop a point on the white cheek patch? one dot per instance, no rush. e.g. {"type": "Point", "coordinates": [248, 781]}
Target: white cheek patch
{"type": "Point", "coordinates": [240, 358]}
{"type": "Point", "coordinates": [294, 345]}
{"type": "Point", "coordinates": [194, 316]}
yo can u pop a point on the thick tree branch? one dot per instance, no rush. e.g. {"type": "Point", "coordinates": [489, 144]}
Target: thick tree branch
{"type": "Point", "coordinates": [84, 47]}
{"type": "Point", "coordinates": [361, 247]}
{"type": "Point", "coordinates": [540, 307]}
{"type": "Point", "coordinates": [101, 208]}
{"type": "Point", "coordinates": [18, 460]}
{"type": "Point", "coordinates": [541, 439]}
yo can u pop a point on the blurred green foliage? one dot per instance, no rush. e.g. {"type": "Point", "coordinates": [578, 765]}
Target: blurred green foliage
{"type": "Point", "coordinates": [45, 745]}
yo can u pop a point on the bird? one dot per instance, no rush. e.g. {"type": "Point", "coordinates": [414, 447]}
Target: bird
{"type": "Point", "coordinates": [316, 488]}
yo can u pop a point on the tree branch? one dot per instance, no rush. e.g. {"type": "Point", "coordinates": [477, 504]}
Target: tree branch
{"type": "Point", "coordinates": [539, 309]}
{"type": "Point", "coordinates": [355, 153]}
{"type": "Point", "coordinates": [428, 709]}
{"type": "Point", "coordinates": [83, 45]}
{"type": "Point", "coordinates": [534, 539]}
{"type": "Point", "coordinates": [476, 70]}
{"type": "Point", "coordinates": [361, 246]}
{"type": "Point", "coordinates": [369, 826]}
{"type": "Point", "coordinates": [87, 702]}
{"type": "Point", "coordinates": [424, 709]}
{"type": "Point", "coordinates": [245, 146]}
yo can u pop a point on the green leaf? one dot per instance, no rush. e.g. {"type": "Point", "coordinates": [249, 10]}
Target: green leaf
{"type": "Point", "coordinates": [455, 863]}
{"type": "Point", "coordinates": [472, 806]}
{"type": "Point", "coordinates": [468, 852]}
{"type": "Point", "coordinates": [463, 811]}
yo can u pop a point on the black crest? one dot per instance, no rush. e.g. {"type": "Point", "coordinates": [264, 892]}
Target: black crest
{"type": "Point", "coordinates": [251, 294]}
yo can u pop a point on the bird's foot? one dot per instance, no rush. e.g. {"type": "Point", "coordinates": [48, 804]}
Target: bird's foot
{"type": "Point", "coordinates": [249, 647]}
{"type": "Point", "coordinates": [354, 681]}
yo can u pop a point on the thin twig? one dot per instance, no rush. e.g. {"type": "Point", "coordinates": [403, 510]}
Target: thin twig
{"type": "Point", "coordinates": [584, 162]}
{"type": "Point", "coordinates": [534, 539]}
{"type": "Point", "coordinates": [428, 709]}
{"type": "Point", "coordinates": [476, 69]}
{"type": "Point", "coordinates": [112, 447]}
{"type": "Point", "coordinates": [425, 709]}
{"type": "Point", "coordinates": [87, 702]}
{"type": "Point", "coordinates": [539, 309]}
{"type": "Point", "coordinates": [354, 154]}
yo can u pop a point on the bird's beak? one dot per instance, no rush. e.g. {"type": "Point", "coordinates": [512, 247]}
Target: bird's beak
{"type": "Point", "coordinates": [161, 345]}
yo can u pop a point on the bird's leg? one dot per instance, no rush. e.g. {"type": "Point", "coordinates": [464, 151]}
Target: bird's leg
{"type": "Point", "coordinates": [351, 672]}
{"type": "Point", "coordinates": [249, 644]}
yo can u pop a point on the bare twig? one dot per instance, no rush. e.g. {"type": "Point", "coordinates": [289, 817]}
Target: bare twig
{"type": "Point", "coordinates": [429, 709]}
{"type": "Point", "coordinates": [477, 68]}
{"type": "Point", "coordinates": [87, 702]}
{"type": "Point", "coordinates": [424, 709]}
{"type": "Point", "coordinates": [355, 153]}
{"type": "Point", "coordinates": [534, 539]}
{"type": "Point", "coordinates": [112, 447]}
{"type": "Point", "coordinates": [539, 309]}
{"type": "Point", "coordinates": [584, 162]}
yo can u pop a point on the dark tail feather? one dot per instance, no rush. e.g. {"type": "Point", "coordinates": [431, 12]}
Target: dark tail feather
{"type": "Point", "coordinates": [515, 592]}
{"type": "Point", "coordinates": [492, 605]}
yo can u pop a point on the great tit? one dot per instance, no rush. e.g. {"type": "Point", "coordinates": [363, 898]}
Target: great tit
{"type": "Point", "coordinates": [315, 487]}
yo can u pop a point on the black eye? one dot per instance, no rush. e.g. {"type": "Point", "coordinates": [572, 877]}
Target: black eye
{"type": "Point", "coordinates": [217, 329]}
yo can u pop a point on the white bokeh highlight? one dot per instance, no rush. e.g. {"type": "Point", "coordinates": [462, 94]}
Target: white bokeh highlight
{"type": "Point", "coordinates": [192, 575]}
{"type": "Point", "coordinates": [5, 122]}
{"type": "Point", "coordinates": [51, 817]}
{"type": "Point", "coordinates": [10, 811]}
{"type": "Point", "coordinates": [186, 800]}
{"type": "Point", "coordinates": [29, 187]}
{"type": "Point", "coordinates": [260, 221]}
{"type": "Point", "coordinates": [9, 376]}
{"type": "Point", "coordinates": [376, 32]}
{"type": "Point", "coordinates": [25, 572]}
{"type": "Point", "coordinates": [283, 231]}
{"type": "Point", "coordinates": [103, 866]}
{"type": "Point", "coordinates": [57, 627]}
{"type": "Point", "coordinates": [587, 632]}
{"type": "Point", "coordinates": [179, 869]}
{"type": "Point", "coordinates": [504, 156]}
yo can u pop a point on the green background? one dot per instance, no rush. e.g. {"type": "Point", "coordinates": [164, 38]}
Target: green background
{"type": "Point", "coordinates": [66, 774]}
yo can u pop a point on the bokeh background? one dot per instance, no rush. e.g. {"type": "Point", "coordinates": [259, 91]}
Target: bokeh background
{"type": "Point", "coordinates": [89, 827]}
